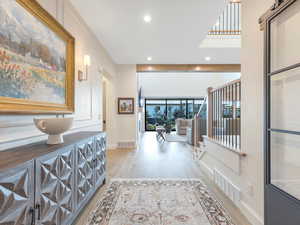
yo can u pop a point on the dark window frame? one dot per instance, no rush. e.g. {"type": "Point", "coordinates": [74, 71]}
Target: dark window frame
{"type": "Point", "coordinates": [183, 103]}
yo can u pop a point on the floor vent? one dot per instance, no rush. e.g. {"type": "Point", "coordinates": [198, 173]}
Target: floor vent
{"type": "Point", "coordinates": [126, 144]}
{"type": "Point", "coordinates": [232, 191]}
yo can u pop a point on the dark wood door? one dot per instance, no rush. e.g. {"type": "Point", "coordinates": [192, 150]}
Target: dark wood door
{"type": "Point", "coordinates": [282, 72]}
{"type": "Point", "coordinates": [84, 172]}
{"type": "Point", "coordinates": [55, 187]}
{"type": "Point", "coordinates": [17, 195]}
{"type": "Point", "coordinates": [100, 159]}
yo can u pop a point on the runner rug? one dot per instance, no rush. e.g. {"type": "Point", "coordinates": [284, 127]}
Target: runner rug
{"type": "Point", "coordinates": [158, 202]}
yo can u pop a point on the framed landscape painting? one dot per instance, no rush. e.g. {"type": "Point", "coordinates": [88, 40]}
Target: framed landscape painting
{"type": "Point", "coordinates": [126, 105]}
{"type": "Point", "coordinates": [36, 60]}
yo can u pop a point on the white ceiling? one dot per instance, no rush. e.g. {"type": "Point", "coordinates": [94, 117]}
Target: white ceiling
{"type": "Point", "coordinates": [177, 29]}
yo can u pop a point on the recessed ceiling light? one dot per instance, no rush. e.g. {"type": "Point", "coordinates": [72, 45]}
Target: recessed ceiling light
{"type": "Point", "coordinates": [207, 58]}
{"type": "Point", "coordinates": [149, 58]}
{"type": "Point", "coordinates": [147, 18]}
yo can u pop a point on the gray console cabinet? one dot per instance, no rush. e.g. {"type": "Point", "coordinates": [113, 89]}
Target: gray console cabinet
{"type": "Point", "coordinates": [52, 187]}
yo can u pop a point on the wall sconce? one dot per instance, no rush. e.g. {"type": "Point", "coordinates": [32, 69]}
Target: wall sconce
{"type": "Point", "coordinates": [81, 77]}
{"type": "Point", "coordinates": [86, 63]}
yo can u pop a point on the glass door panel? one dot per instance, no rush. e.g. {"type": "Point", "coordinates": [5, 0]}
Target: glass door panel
{"type": "Point", "coordinates": [155, 114]}
{"type": "Point", "coordinates": [174, 111]}
{"type": "Point", "coordinates": [190, 109]}
{"type": "Point", "coordinates": [285, 38]}
{"type": "Point", "coordinates": [183, 108]}
{"type": "Point", "coordinates": [285, 162]}
{"type": "Point", "coordinates": [197, 105]}
{"type": "Point", "coordinates": [285, 104]}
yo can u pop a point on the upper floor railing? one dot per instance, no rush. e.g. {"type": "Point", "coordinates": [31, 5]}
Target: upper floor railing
{"type": "Point", "coordinates": [229, 23]}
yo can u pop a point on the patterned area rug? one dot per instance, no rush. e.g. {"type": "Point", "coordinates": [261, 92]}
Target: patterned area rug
{"type": "Point", "coordinates": [158, 202]}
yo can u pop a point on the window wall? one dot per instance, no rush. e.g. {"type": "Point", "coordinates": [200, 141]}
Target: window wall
{"type": "Point", "coordinates": [163, 111]}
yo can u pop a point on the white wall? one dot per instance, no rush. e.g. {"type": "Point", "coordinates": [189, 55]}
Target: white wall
{"type": "Point", "coordinates": [19, 129]}
{"type": "Point", "coordinates": [249, 175]}
{"type": "Point", "coordinates": [126, 86]}
{"type": "Point", "coordinates": [252, 113]}
{"type": "Point", "coordinates": [182, 84]}
{"type": "Point", "coordinates": [121, 128]}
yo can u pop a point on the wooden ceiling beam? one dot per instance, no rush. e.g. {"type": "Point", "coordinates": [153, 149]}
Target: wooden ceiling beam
{"type": "Point", "coordinates": [188, 68]}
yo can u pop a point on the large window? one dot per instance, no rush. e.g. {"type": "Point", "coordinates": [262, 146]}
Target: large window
{"type": "Point", "coordinates": [163, 111]}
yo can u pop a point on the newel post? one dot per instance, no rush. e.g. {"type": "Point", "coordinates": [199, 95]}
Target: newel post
{"type": "Point", "coordinates": [209, 112]}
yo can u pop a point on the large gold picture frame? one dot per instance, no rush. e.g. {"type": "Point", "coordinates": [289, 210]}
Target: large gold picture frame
{"type": "Point", "coordinates": [27, 106]}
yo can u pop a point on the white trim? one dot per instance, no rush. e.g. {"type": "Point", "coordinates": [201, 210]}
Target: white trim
{"type": "Point", "coordinates": [25, 123]}
{"type": "Point", "coordinates": [112, 146]}
{"type": "Point", "coordinates": [125, 144]}
{"type": "Point", "coordinates": [251, 215]}
{"type": "Point", "coordinates": [218, 153]}
{"type": "Point", "coordinates": [15, 142]}
{"type": "Point", "coordinates": [207, 170]}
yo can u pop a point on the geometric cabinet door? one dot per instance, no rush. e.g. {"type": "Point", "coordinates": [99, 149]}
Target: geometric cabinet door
{"type": "Point", "coordinates": [17, 195]}
{"type": "Point", "coordinates": [100, 160]}
{"type": "Point", "coordinates": [55, 187]}
{"type": "Point", "coordinates": [84, 171]}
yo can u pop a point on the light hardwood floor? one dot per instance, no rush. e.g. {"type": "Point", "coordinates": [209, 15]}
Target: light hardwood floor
{"type": "Point", "coordinates": [152, 159]}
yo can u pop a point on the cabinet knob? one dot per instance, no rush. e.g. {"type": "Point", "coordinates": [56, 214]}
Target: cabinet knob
{"type": "Point", "coordinates": [38, 208]}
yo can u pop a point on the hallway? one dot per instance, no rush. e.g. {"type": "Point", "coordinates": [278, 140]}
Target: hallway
{"type": "Point", "coordinates": [153, 159]}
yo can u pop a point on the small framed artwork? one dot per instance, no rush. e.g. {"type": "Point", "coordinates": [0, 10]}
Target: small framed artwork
{"type": "Point", "coordinates": [126, 105]}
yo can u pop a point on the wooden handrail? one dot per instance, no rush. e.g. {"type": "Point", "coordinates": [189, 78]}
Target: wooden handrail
{"type": "Point", "coordinates": [225, 85]}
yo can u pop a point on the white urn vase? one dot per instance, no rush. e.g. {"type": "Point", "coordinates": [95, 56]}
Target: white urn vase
{"type": "Point", "coordinates": [54, 127]}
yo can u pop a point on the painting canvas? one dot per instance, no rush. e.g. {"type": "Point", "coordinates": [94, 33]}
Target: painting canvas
{"type": "Point", "coordinates": [126, 105]}
{"type": "Point", "coordinates": [33, 58]}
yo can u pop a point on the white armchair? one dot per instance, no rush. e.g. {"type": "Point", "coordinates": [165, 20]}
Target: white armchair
{"type": "Point", "coordinates": [182, 125]}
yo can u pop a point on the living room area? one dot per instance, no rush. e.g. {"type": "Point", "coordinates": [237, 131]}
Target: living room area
{"type": "Point", "coordinates": [169, 102]}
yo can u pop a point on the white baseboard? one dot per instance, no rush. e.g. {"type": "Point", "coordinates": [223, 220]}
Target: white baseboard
{"type": "Point", "coordinates": [112, 146]}
{"type": "Point", "coordinates": [126, 144]}
{"type": "Point", "coordinates": [251, 215]}
{"type": "Point", "coordinates": [207, 170]}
